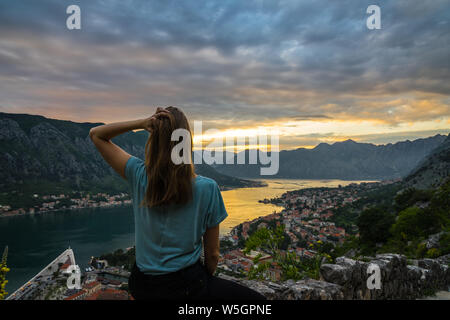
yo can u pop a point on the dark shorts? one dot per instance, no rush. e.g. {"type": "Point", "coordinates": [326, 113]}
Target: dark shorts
{"type": "Point", "coordinates": [191, 283]}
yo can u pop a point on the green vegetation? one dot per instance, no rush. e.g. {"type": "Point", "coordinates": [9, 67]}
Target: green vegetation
{"type": "Point", "coordinates": [405, 225]}
{"type": "Point", "coordinates": [120, 258]}
{"type": "Point", "coordinates": [347, 215]}
{"type": "Point", "coordinates": [414, 222]}
{"type": "Point", "coordinates": [291, 266]}
{"type": "Point", "coordinates": [409, 197]}
{"type": "Point", "coordinates": [374, 224]}
{"type": "Point", "coordinates": [3, 271]}
{"type": "Point", "coordinates": [226, 245]}
{"type": "Point", "coordinates": [351, 244]}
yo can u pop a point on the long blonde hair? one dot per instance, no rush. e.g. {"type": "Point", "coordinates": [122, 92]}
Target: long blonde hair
{"type": "Point", "coordinates": [167, 182]}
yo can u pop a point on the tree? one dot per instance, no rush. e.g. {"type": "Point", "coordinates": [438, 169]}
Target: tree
{"type": "Point", "coordinates": [266, 239]}
{"type": "Point", "coordinates": [3, 270]}
{"type": "Point", "coordinates": [414, 222]}
{"type": "Point", "coordinates": [440, 204]}
{"type": "Point", "coordinates": [374, 224]}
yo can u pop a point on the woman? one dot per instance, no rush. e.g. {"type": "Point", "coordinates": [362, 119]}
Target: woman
{"type": "Point", "coordinates": [174, 210]}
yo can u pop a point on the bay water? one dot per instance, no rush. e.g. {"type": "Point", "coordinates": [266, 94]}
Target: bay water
{"type": "Point", "coordinates": [35, 240]}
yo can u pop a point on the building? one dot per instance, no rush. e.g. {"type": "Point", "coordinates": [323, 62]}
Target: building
{"type": "Point", "coordinates": [80, 295]}
{"type": "Point", "coordinates": [92, 287]}
{"type": "Point", "coordinates": [274, 272]}
{"type": "Point", "coordinates": [110, 294]}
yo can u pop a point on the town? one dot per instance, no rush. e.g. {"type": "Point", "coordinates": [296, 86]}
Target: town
{"type": "Point", "coordinates": [76, 200]}
{"type": "Point", "coordinates": [306, 219]}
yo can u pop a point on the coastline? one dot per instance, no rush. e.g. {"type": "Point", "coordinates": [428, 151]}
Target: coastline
{"type": "Point", "coordinates": [254, 184]}
{"type": "Point", "coordinates": [62, 209]}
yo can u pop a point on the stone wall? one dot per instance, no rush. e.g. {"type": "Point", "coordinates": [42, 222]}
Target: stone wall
{"type": "Point", "coordinates": [347, 279]}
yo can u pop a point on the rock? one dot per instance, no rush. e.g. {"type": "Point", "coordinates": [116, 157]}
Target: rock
{"type": "Point", "coordinates": [335, 273]}
{"type": "Point", "coordinates": [347, 279]}
{"type": "Point", "coordinates": [444, 259]}
{"type": "Point", "coordinates": [433, 240]}
{"type": "Point", "coordinates": [270, 290]}
{"type": "Point", "coordinates": [344, 261]}
{"type": "Point", "coordinates": [351, 253]}
{"type": "Point", "coordinates": [355, 267]}
{"type": "Point", "coordinates": [414, 273]}
{"type": "Point", "coordinates": [425, 263]}
{"type": "Point", "coordinates": [313, 290]}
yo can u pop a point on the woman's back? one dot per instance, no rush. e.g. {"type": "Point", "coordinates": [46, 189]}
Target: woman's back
{"type": "Point", "coordinates": [170, 239]}
{"type": "Point", "coordinates": [174, 210]}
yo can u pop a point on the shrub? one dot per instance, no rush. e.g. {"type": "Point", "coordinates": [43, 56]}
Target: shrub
{"type": "Point", "coordinates": [433, 253]}
{"type": "Point", "coordinates": [3, 271]}
{"type": "Point", "coordinates": [414, 222]}
{"type": "Point", "coordinates": [291, 265]}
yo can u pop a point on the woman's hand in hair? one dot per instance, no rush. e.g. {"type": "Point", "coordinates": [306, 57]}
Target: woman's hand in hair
{"type": "Point", "coordinates": [150, 123]}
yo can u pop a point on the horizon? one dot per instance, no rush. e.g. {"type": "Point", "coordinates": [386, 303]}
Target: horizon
{"type": "Point", "coordinates": [268, 146]}
{"type": "Point", "coordinates": [312, 71]}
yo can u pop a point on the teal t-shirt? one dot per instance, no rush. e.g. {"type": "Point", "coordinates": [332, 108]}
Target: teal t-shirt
{"type": "Point", "coordinates": [169, 240]}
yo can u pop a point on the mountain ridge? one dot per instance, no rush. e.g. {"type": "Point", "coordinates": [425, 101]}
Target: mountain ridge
{"type": "Point", "coordinates": [36, 147]}
{"type": "Point", "coordinates": [432, 171]}
{"type": "Point", "coordinates": [346, 160]}
{"type": "Point", "coordinates": [38, 152]}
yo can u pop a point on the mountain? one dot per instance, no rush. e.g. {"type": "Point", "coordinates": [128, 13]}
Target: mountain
{"type": "Point", "coordinates": [37, 153]}
{"type": "Point", "coordinates": [433, 170]}
{"type": "Point", "coordinates": [347, 160]}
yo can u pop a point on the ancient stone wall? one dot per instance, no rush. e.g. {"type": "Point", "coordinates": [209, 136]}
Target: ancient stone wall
{"type": "Point", "coordinates": [347, 279]}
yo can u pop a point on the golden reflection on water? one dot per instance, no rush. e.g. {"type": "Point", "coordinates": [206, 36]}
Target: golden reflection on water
{"type": "Point", "coordinates": [242, 204]}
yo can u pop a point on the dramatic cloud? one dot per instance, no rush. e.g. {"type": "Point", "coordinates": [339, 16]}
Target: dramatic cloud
{"type": "Point", "coordinates": [234, 64]}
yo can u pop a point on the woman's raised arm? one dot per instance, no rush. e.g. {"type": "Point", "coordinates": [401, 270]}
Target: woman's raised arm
{"type": "Point", "coordinates": [115, 156]}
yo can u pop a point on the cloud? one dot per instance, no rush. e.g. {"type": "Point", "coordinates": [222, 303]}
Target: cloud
{"type": "Point", "coordinates": [229, 63]}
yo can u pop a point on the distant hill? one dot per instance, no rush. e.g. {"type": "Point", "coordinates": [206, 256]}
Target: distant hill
{"type": "Point", "coordinates": [347, 160]}
{"type": "Point", "coordinates": [37, 154]}
{"type": "Point", "coordinates": [433, 170]}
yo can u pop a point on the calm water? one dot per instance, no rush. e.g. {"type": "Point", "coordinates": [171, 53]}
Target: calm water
{"type": "Point", "coordinates": [34, 241]}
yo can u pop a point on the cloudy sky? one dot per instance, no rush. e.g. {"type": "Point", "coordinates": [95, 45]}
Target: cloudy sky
{"type": "Point", "coordinates": [310, 70]}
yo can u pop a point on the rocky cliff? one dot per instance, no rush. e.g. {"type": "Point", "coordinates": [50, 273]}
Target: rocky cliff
{"type": "Point", "coordinates": [433, 170]}
{"type": "Point", "coordinates": [347, 279]}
